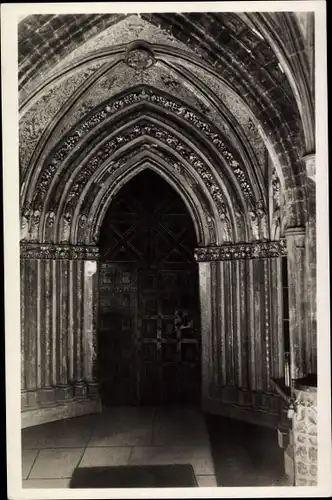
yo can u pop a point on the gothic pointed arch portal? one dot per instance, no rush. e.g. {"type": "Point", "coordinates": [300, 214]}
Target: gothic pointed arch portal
{"type": "Point", "coordinates": [149, 322]}
{"type": "Point", "coordinates": [66, 194]}
{"type": "Point", "coordinates": [202, 117]}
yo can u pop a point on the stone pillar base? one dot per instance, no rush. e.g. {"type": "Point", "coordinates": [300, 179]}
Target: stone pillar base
{"type": "Point", "coordinates": [69, 409]}
{"type": "Point", "coordinates": [24, 399]}
{"type": "Point", "coordinates": [80, 390]}
{"type": "Point", "coordinates": [33, 398]}
{"type": "Point", "coordinates": [64, 393]}
{"type": "Point", "coordinates": [93, 389]}
{"type": "Point", "coordinates": [47, 396]}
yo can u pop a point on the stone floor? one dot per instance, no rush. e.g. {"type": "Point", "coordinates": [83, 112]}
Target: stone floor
{"type": "Point", "coordinates": [240, 454]}
{"type": "Point", "coordinates": [118, 436]}
{"type": "Point", "coordinates": [245, 454]}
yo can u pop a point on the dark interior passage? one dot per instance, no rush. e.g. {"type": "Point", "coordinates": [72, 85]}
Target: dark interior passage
{"type": "Point", "coordinates": [149, 338]}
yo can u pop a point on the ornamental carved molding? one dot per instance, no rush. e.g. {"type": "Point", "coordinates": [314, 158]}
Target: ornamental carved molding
{"type": "Point", "coordinates": [111, 146]}
{"type": "Point", "coordinates": [50, 251]}
{"type": "Point", "coordinates": [144, 95]}
{"type": "Point", "coordinates": [240, 251]}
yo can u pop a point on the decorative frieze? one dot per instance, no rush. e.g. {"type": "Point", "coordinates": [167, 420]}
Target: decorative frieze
{"type": "Point", "coordinates": [256, 250]}
{"type": "Point", "coordinates": [49, 251]}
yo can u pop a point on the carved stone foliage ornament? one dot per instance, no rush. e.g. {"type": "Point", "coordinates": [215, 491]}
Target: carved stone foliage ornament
{"type": "Point", "coordinates": [170, 82]}
{"type": "Point", "coordinates": [49, 251]}
{"type": "Point", "coordinates": [144, 94]}
{"type": "Point", "coordinates": [257, 250]}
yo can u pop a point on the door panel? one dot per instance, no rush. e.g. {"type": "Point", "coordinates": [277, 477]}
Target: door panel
{"type": "Point", "coordinates": [149, 338]}
{"type": "Point", "coordinates": [118, 312]}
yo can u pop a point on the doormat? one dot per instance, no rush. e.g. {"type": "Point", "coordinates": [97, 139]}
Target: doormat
{"type": "Point", "coordinates": [135, 476]}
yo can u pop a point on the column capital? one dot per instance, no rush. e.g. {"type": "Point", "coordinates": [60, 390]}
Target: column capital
{"type": "Point", "coordinates": [294, 231]}
{"type": "Point", "coordinates": [295, 235]}
{"type": "Point", "coordinates": [29, 250]}
{"type": "Point", "coordinates": [310, 165]}
{"type": "Point", "coordinates": [240, 251]}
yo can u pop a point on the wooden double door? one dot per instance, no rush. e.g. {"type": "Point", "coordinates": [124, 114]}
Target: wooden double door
{"type": "Point", "coordinates": [149, 335]}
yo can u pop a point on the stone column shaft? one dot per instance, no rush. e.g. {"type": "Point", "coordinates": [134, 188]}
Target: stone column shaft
{"type": "Point", "coordinates": [222, 325]}
{"type": "Point", "coordinates": [59, 301]}
{"type": "Point", "coordinates": [215, 314]}
{"type": "Point", "coordinates": [89, 319]}
{"type": "Point", "coordinates": [251, 326]}
{"type": "Point", "coordinates": [206, 325]}
{"type": "Point", "coordinates": [24, 395]}
{"type": "Point", "coordinates": [240, 302]}
{"type": "Point", "coordinates": [297, 300]}
{"type": "Point", "coordinates": [310, 258]}
{"type": "Point", "coordinates": [277, 334]}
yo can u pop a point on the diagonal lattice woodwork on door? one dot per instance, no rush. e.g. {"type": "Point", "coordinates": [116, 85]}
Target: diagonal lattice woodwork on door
{"type": "Point", "coordinates": [149, 342]}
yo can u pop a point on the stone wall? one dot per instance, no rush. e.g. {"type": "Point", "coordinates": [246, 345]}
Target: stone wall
{"type": "Point", "coordinates": [305, 437]}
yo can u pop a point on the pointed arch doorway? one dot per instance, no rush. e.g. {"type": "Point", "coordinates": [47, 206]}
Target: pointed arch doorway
{"type": "Point", "coordinates": [149, 328]}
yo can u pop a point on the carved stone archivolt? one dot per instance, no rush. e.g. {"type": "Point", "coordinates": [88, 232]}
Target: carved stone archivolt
{"type": "Point", "coordinates": [71, 229]}
{"type": "Point", "coordinates": [147, 95]}
{"type": "Point", "coordinates": [148, 129]}
{"type": "Point", "coordinates": [29, 250]}
{"type": "Point", "coordinates": [239, 251]}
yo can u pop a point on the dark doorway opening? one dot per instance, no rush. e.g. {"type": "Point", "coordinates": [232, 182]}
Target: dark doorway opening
{"type": "Point", "coordinates": [149, 333]}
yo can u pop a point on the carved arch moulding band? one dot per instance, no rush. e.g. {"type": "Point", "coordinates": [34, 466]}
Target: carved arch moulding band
{"type": "Point", "coordinates": [149, 95]}
{"type": "Point", "coordinates": [48, 184]}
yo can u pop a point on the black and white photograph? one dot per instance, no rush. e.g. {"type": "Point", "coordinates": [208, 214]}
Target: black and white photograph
{"type": "Point", "coordinates": [166, 249]}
